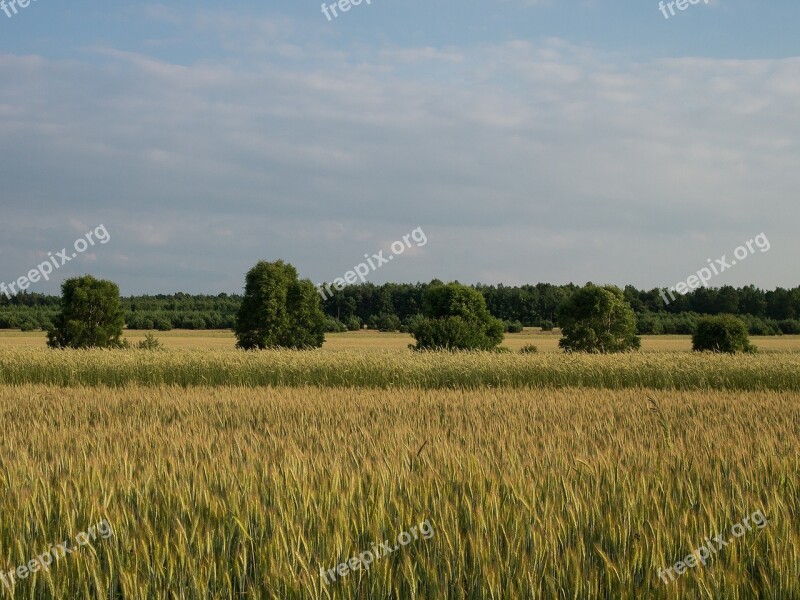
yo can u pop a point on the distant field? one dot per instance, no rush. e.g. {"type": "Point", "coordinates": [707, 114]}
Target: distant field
{"type": "Point", "coordinates": [546, 342]}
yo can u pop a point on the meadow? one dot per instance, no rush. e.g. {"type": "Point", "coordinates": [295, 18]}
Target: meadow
{"type": "Point", "coordinates": [240, 475]}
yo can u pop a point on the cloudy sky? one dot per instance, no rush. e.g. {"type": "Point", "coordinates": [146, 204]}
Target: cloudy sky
{"type": "Point", "coordinates": [531, 140]}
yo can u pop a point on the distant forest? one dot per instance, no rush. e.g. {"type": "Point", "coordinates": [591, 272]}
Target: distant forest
{"type": "Point", "coordinates": [392, 306]}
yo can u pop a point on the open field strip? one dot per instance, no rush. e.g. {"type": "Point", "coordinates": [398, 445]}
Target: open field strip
{"type": "Point", "coordinates": [367, 339]}
{"type": "Point", "coordinates": [216, 492]}
{"type": "Point", "coordinates": [392, 369]}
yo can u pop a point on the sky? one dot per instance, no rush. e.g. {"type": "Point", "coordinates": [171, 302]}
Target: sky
{"type": "Point", "coordinates": [530, 140]}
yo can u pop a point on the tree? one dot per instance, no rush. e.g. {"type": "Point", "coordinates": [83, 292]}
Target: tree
{"type": "Point", "coordinates": [91, 315]}
{"type": "Point", "coordinates": [598, 320]}
{"type": "Point", "coordinates": [722, 333]}
{"type": "Point", "coordinates": [279, 310]}
{"type": "Point", "coordinates": [456, 318]}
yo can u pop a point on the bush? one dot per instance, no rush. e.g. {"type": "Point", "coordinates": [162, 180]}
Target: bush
{"type": "Point", "coordinates": [597, 320]}
{"type": "Point", "coordinates": [389, 323]}
{"type": "Point", "coordinates": [759, 326]}
{"type": "Point", "coordinates": [513, 326]}
{"type": "Point", "coordinates": [456, 318]}
{"type": "Point", "coordinates": [353, 324]}
{"type": "Point", "coordinates": [790, 326]}
{"type": "Point", "coordinates": [150, 342]}
{"type": "Point", "coordinates": [721, 333]}
{"type": "Point", "coordinates": [528, 349]}
{"type": "Point", "coordinates": [547, 325]}
{"type": "Point", "coordinates": [162, 323]}
{"type": "Point", "coordinates": [91, 315]}
{"type": "Point", "coordinates": [334, 325]}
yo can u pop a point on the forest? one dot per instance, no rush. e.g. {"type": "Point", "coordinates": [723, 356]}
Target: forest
{"type": "Point", "coordinates": [393, 306]}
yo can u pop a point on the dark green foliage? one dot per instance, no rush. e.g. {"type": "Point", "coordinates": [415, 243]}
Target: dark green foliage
{"type": "Point", "coordinates": [598, 320]}
{"type": "Point", "coordinates": [279, 310]}
{"type": "Point", "coordinates": [385, 322]}
{"type": "Point", "coordinates": [532, 305]}
{"type": "Point", "coordinates": [528, 349]}
{"type": "Point", "coordinates": [456, 318]}
{"type": "Point", "coordinates": [512, 326]}
{"type": "Point", "coordinates": [721, 333]}
{"type": "Point", "coordinates": [790, 326]}
{"type": "Point", "coordinates": [91, 315]}
{"type": "Point", "coordinates": [334, 325]}
{"type": "Point", "coordinates": [353, 324]}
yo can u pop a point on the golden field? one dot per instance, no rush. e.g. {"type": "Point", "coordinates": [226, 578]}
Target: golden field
{"type": "Point", "coordinates": [245, 493]}
{"type": "Point", "coordinates": [227, 474]}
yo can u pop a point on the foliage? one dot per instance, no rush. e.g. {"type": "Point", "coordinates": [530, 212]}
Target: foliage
{"type": "Point", "coordinates": [512, 326]}
{"type": "Point", "coordinates": [90, 317]}
{"type": "Point", "coordinates": [598, 320]}
{"type": "Point", "coordinates": [353, 324]}
{"type": "Point", "coordinates": [279, 310]}
{"type": "Point", "coordinates": [528, 349]}
{"type": "Point", "coordinates": [722, 333]}
{"type": "Point", "coordinates": [150, 342]}
{"type": "Point", "coordinates": [334, 325]}
{"type": "Point", "coordinates": [456, 318]}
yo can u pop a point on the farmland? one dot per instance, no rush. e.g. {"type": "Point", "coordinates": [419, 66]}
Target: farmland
{"type": "Point", "coordinates": [227, 474]}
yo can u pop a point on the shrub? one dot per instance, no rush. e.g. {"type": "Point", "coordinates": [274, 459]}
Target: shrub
{"type": "Point", "coordinates": [91, 315]}
{"type": "Point", "coordinates": [598, 320]}
{"type": "Point", "coordinates": [721, 333]}
{"type": "Point", "coordinates": [528, 349]}
{"type": "Point", "coordinates": [547, 325]}
{"type": "Point", "coordinates": [790, 326]}
{"type": "Point", "coordinates": [334, 325]}
{"type": "Point", "coordinates": [162, 323]}
{"type": "Point", "coordinates": [150, 342]}
{"type": "Point", "coordinates": [513, 326]}
{"type": "Point", "coordinates": [456, 318]}
{"type": "Point", "coordinates": [353, 324]}
{"type": "Point", "coordinates": [279, 310]}
{"type": "Point", "coordinates": [389, 323]}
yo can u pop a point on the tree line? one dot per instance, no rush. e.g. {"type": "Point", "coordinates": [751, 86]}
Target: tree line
{"type": "Point", "coordinates": [398, 306]}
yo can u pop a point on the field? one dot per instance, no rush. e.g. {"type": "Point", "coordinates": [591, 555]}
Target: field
{"type": "Point", "coordinates": [233, 475]}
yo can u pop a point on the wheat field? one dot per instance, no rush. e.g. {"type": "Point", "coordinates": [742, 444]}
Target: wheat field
{"type": "Point", "coordinates": [231, 492]}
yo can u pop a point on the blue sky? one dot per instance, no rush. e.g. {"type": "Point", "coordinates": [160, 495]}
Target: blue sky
{"type": "Point", "coordinates": [531, 140]}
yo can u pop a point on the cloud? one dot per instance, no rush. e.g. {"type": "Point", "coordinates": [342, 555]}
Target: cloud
{"type": "Point", "coordinates": [550, 160]}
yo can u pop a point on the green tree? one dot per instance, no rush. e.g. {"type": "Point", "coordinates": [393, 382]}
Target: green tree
{"type": "Point", "coordinates": [456, 318]}
{"type": "Point", "coordinates": [721, 333]}
{"type": "Point", "coordinates": [279, 310]}
{"type": "Point", "coordinates": [598, 320]}
{"type": "Point", "coordinates": [91, 315]}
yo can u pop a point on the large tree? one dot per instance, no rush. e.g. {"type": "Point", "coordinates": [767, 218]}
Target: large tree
{"type": "Point", "coordinates": [456, 318]}
{"type": "Point", "coordinates": [279, 310]}
{"type": "Point", "coordinates": [598, 320]}
{"type": "Point", "coordinates": [91, 315]}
